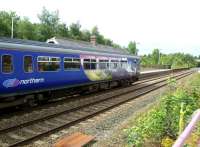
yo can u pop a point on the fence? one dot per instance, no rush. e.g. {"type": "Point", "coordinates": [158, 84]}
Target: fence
{"type": "Point", "coordinates": [188, 130]}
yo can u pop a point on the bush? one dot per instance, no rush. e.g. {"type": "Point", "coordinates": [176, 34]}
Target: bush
{"type": "Point", "coordinates": [162, 121]}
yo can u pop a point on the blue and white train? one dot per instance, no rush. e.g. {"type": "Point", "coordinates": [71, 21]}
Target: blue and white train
{"type": "Point", "coordinates": [31, 70]}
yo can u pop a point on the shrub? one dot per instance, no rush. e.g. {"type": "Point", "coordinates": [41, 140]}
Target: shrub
{"type": "Point", "coordinates": [162, 120]}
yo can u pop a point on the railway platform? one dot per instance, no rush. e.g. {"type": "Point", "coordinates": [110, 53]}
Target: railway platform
{"type": "Point", "coordinates": [153, 71]}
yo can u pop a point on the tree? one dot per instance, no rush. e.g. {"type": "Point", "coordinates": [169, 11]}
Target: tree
{"type": "Point", "coordinates": [116, 45]}
{"type": "Point", "coordinates": [85, 35]}
{"type": "Point", "coordinates": [74, 30]}
{"type": "Point", "coordinates": [62, 30]}
{"type": "Point", "coordinates": [175, 60]}
{"type": "Point", "coordinates": [95, 31]}
{"type": "Point", "coordinates": [132, 48]}
{"type": "Point", "coordinates": [167, 59]}
{"type": "Point", "coordinates": [26, 30]}
{"type": "Point", "coordinates": [6, 23]}
{"type": "Point", "coordinates": [155, 56]}
{"type": "Point", "coordinates": [49, 23]}
{"type": "Point", "coordinates": [189, 60]}
{"type": "Point", "coordinates": [99, 38]}
{"type": "Point", "coordinates": [108, 42]}
{"type": "Point", "coordinates": [49, 26]}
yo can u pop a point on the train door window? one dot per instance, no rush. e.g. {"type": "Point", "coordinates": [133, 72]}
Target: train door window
{"type": "Point", "coordinates": [93, 64]}
{"type": "Point", "coordinates": [54, 64]}
{"type": "Point", "coordinates": [114, 64]}
{"type": "Point", "coordinates": [103, 64]}
{"type": "Point", "coordinates": [46, 63]}
{"type": "Point", "coordinates": [86, 64]}
{"type": "Point", "coordinates": [68, 64]}
{"type": "Point", "coordinates": [28, 64]}
{"type": "Point", "coordinates": [124, 64]}
{"type": "Point", "coordinates": [76, 63]}
{"type": "Point", "coordinates": [72, 63]}
{"type": "Point", "coordinates": [7, 64]}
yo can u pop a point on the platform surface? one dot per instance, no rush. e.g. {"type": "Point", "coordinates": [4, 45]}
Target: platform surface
{"type": "Point", "coordinates": [156, 70]}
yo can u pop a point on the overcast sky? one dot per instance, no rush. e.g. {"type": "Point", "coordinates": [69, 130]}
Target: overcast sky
{"type": "Point", "coordinates": [170, 25]}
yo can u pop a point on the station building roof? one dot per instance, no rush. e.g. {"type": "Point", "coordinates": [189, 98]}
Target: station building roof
{"type": "Point", "coordinates": [86, 46]}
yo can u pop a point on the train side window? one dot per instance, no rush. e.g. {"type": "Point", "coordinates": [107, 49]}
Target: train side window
{"type": "Point", "coordinates": [7, 64]}
{"type": "Point", "coordinates": [86, 63]}
{"type": "Point", "coordinates": [90, 64]}
{"type": "Point", "coordinates": [103, 64]}
{"type": "Point", "coordinates": [46, 63]}
{"type": "Point", "coordinates": [93, 64]}
{"type": "Point", "coordinates": [76, 63]}
{"type": "Point", "coordinates": [124, 64]}
{"type": "Point", "coordinates": [114, 64]}
{"type": "Point", "coordinates": [28, 64]}
{"type": "Point", "coordinates": [72, 63]}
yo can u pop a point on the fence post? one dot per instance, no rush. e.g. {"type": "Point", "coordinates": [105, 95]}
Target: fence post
{"type": "Point", "coordinates": [185, 134]}
{"type": "Point", "coordinates": [181, 119]}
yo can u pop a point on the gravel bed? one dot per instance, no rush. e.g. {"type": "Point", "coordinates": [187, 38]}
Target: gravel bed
{"type": "Point", "coordinates": [117, 137]}
{"type": "Point", "coordinates": [102, 126]}
{"type": "Point", "coordinates": [41, 112]}
{"type": "Point", "coordinates": [108, 127]}
{"type": "Point", "coordinates": [13, 120]}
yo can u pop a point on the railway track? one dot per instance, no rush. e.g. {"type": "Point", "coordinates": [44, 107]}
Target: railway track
{"type": "Point", "coordinates": [71, 97]}
{"type": "Point", "coordinates": [69, 103]}
{"type": "Point", "coordinates": [26, 131]}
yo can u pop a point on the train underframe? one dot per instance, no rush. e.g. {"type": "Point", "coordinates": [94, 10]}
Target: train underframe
{"type": "Point", "coordinates": [33, 99]}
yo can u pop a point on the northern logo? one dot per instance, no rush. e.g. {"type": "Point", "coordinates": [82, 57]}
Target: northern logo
{"type": "Point", "coordinates": [11, 83]}
{"type": "Point", "coordinates": [15, 82]}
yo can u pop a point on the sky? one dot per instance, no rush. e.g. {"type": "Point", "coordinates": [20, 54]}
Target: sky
{"type": "Point", "coordinates": [169, 25]}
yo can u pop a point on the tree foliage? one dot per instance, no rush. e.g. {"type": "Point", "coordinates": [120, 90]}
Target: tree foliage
{"type": "Point", "coordinates": [49, 26]}
{"type": "Point", "coordinates": [85, 35]}
{"type": "Point", "coordinates": [26, 30]}
{"type": "Point", "coordinates": [6, 23]}
{"type": "Point", "coordinates": [100, 38]}
{"type": "Point", "coordinates": [132, 47]}
{"type": "Point", "coordinates": [175, 60]}
{"type": "Point", "coordinates": [62, 30]}
{"type": "Point", "coordinates": [49, 22]}
{"type": "Point", "coordinates": [74, 30]}
{"type": "Point", "coordinates": [155, 56]}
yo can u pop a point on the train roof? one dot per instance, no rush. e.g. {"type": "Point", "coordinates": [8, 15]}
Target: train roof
{"type": "Point", "coordinates": [65, 45]}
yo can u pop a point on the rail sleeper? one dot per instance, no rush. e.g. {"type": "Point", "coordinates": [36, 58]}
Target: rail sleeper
{"type": "Point", "coordinates": [75, 140]}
